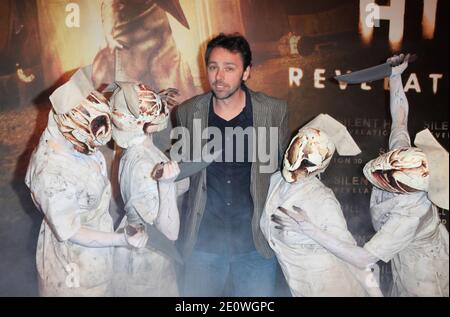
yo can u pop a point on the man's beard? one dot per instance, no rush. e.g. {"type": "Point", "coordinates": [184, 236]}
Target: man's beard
{"type": "Point", "coordinates": [230, 94]}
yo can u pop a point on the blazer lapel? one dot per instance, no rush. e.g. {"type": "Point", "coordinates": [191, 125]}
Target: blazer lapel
{"type": "Point", "coordinates": [202, 111]}
{"type": "Point", "coordinates": [261, 115]}
{"type": "Point", "coordinates": [261, 112]}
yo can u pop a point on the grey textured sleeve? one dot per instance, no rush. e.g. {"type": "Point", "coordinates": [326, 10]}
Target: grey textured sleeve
{"type": "Point", "coordinates": [283, 136]}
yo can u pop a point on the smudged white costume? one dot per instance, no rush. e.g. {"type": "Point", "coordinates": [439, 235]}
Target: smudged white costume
{"type": "Point", "coordinates": [138, 112]}
{"type": "Point", "coordinates": [410, 183]}
{"type": "Point", "coordinates": [68, 183]}
{"type": "Point", "coordinates": [310, 269]}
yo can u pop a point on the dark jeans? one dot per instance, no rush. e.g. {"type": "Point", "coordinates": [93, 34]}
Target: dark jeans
{"type": "Point", "coordinates": [252, 275]}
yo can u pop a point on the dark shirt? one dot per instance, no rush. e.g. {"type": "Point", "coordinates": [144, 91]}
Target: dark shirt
{"type": "Point", "coordinates": [226, 224]}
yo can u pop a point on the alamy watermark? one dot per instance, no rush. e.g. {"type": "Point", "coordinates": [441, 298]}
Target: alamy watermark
{"type": "Point", "coordinates": [207, 144]}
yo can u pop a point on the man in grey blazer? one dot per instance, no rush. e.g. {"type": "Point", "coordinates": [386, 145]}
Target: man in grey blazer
{"type": "Point", "coordinates": [220, 237]}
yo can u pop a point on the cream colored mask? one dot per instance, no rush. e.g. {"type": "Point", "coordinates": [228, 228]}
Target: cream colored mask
{"type": "Point", "coordinates": [88, 125]}
{"type": "Point", "coordinates": [138, 110]}
{"type": "Point", "coordinates": [401, 171]}
{"type": "Point", "coordinates": [308, 154]}
{"type": "Point", "coordinates": [311, 150]}
{"type": "Point", "coordinates": [411, 169]}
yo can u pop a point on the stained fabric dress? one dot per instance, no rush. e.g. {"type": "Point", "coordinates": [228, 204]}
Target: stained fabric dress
{"type": "Point", "coordinates": [72, 190]}
{"type": "Point", "coordinates": [145, 272]}
{"type": "Point", "coordinates": [411, 236]}
{"type": "Point", "coordinates": [310, 270]}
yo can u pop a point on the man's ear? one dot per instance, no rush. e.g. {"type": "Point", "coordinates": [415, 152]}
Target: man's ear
{"type": "Point", "coordinates": [246, 74]}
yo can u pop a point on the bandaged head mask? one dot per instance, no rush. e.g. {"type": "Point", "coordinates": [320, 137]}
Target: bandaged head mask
{"type": "Point", "coordinates": [138, 110]}
{"type": "Point", "coordinates": [88, 125]}
{"type": "Point", "coordinates": [403, 170]}
{"type": "Point", "coordinates": [81, 113]}
{"type": "Point", "coordinates": [308, 154]}
{"type": "Point", "coordinates": [310, 151]}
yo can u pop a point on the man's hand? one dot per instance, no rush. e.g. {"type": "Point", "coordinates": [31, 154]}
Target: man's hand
{"type": "Point", "coordinates": [166, 172]}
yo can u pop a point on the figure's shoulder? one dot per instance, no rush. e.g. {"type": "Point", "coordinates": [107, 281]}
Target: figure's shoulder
{"type": "Point", "coordinates": [49, 171]}
{"type": "Point", "coordinates": [140, 156]}
{"type": "Point", "coordinates": [275, 177]}
{"type": "Point", "coordinates": [45, 158]}
{"type": "Point", "coordinates": [316, 187]}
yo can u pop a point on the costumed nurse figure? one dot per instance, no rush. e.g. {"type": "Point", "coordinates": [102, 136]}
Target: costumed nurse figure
{"type": "Point", "coordinates": [68, 183]}
{"type": "Point", "coordinates": [138, 112]}
{"type": "Point", "coordinates": [310, 269]}
{"type": "Point", "coordinates": [409, 184]}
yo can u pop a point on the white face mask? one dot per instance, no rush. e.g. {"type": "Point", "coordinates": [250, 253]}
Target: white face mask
{"type": "Point", "coordinates": [403, 170]}
{"type": "Point", "coordinates": [88, 125]}
{"type": "Point", "coordinates": [308, 154]}
{"type": "Point", "coordinates": [153, 116]}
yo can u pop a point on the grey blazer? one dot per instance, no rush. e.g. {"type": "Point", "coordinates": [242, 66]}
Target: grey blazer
{"type": "Point", "coordinates": [267, 112]}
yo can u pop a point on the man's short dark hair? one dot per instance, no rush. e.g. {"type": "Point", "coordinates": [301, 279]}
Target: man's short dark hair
{"type": "Point", "coordinates": [234, 43]}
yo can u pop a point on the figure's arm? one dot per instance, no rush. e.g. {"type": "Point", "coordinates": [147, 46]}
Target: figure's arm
{"type": "Point", "coordinates": [139, 190]}
{"type": "Point", "coordinates": [399, 106]}
{"type": "Point", "coordinates": [182, 186]}
{"type": "Point", "coordinates": [97, 239]}
{"type": "Point", "coordinates": [348, 252]}
{"type": "Point", "coordinates": [108, 18]}
{"type": "Point", "coordinates": [360, 262]}
{"type": "Point", "coordinates": [56, 197]}
{"type": "Point", "coordinates": [168, 220]}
